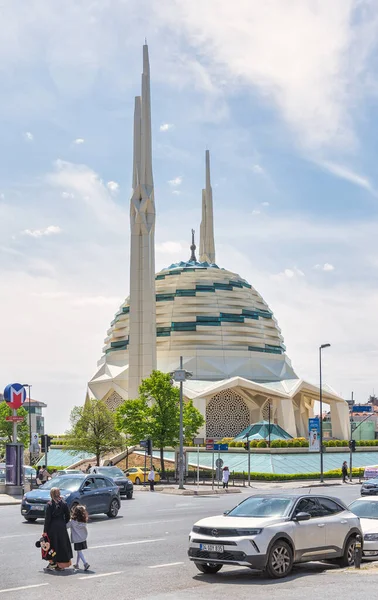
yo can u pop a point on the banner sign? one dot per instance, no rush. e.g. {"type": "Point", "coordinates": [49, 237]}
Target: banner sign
{"type": "Point", "coordinates": [314, 435]}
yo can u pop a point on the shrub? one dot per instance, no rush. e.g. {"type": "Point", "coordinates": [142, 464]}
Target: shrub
{"type": "Point", "coordinates": [304, 443]}
{"type": "Point", "coordinates": [232, 444]}
{"type": "Point", "coordinates": [253, 443]}
{"type": "Point", "coordinates": [331, 443]}
{"type": "Point", "coordinates": [345, 443]}
{"type": "Point", "coordinates": [284, 443]}
{"type": "Point", "coordinates": [239, 444]}
{"type": "Point", "coordinates": [262, 444]}
{"type": "Point", "coordinates": [296, 444]}
{"type": "Point", "coordinates": [338, 443]}
{"type": "Point", "coordinates": [275, 444]}
{"type": "Point", "coordinates": [290, 443]}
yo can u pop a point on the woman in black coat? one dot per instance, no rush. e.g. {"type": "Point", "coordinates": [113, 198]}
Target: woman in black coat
{"type": "Point", "coordinates": [56, 519]}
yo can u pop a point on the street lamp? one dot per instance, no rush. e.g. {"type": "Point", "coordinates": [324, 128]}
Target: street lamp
{"type": "Point", "coordinates": [181, 375]}
{"type": "Point", "coordinates": [321, 409]}
{"type": "Point", "coordinates": [30, 431]}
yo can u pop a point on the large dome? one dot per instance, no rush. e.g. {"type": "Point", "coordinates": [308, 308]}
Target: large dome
{"type": "Point", "coordinates": [214, 319]}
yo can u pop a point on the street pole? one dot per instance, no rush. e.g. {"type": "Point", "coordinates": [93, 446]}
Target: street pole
{"type": "Point", "coordinates": [321, 411]}
{"type": "Point", "coordinates": [181, 456]}
{"type": "Point", "coordinates": [269, 422]}
{"type": "Point", "coordinates": [212, 471]}
{"type": "Point", "coordinates": [14, 412]}
{"type": "Point", "coordinates": [30, 431]}
{"type": "Point", "coordinates": [249, 461]}
{"type": "Point", "coordinates": [198, 463]}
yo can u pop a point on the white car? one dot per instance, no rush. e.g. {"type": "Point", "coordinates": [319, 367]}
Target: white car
{"type": "Point", "coordinates": [270, 533]}
{"type": "Point", "coordinates": [366, 509]}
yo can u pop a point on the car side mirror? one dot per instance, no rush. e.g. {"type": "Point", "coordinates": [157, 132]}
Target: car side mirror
{"type": "Point", "coordinates": [86, 488]}
{"type": "Point", "coordinates": [226, 512]}
{"type": "Point", "coordinates": [302, 516]}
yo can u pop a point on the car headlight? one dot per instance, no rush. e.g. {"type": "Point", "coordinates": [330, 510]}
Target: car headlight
{"type": "Point", "coordinates": [371, 537]}
{"type": "Point", "coordinates": [249, 531]}
{"type": "Point", "coordinates": [196, 529]}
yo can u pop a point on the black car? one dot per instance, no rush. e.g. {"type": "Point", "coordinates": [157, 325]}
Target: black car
{"type": "Point", "coordinates": [126, 487]}
{"type": "Point", "coordinates": [98, 494]}
{"type": "Point", "coordinates": [370, 487]}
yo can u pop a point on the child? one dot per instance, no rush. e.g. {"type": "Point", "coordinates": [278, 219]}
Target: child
{"type": "Point", "coordinates": [79, 533]}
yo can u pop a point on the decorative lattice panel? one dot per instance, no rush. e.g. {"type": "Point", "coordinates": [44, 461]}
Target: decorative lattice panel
{"type": "Point", "coordinates": [265, 410]}
{"type": "Point", "coordinates": [114, 400]}
{"type": "Point", "coordinates": [226, 415]}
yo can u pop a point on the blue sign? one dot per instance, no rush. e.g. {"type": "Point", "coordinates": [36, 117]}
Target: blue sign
{"type": "Point", "coordinates": [221, 447]}
{"type": "Point", "coordinates": [314, 435]}
{"type": "Point", "coordinates": [15, 395]}
{"type": "Point", "coordinates": [365, 408]}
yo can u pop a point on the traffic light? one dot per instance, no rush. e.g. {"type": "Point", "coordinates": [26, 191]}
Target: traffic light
{"type": "Point", "coordinates": [45, 443]}
{"type": "Point", "coordinates": [352, 445]}
{"type": "Point", "coordinates": [147, 445]}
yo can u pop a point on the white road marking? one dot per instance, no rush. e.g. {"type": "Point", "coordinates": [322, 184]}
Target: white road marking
{"type": "Point", "coordinates": [6, 537]}
{"type": "Point", "coordinates": [152, 522]}
{"type": "Point", "coordinates": [23, 587]}
{"type": "Point", "coordinates": [166, 565]}
{"type": "Point", "coordinates": [101, 575]}
{"type": "Point", "coordinates": [128, 543]}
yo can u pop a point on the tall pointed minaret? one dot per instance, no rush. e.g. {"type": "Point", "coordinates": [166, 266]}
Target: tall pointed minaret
{"type": "Point", "coordinates": [207, 244]}
{"type": "Point", "coordinates": [142, 318]}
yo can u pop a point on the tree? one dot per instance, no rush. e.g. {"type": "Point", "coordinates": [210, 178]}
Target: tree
{"type": "Point", "coordinates": [156, 414]}
{"type": "Point", "coordinates": [6, 427]}
{"type": "Point", "coordinates": [93, 429]}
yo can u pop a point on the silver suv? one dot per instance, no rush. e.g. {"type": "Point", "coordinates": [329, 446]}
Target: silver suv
{"type": "Point", "coordinates": [270, 533]}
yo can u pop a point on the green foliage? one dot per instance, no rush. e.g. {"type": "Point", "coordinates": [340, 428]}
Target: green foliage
{"type": "Point", "coordinates": [156, 414]}
{"type": "Point", "coordinates": [253, 443]}
{"type": "Point", "coordinates": [93, 429]}
{"type": "Point", "coordinates": [275, 444]}
{"type": "Point", "coordinates": [284, 443]}
{"type": "Point", "coordinates": [232, 444]}
{"type": "Point", "coordinates": [262, 444]}
{"type": "Point", "coordinates": [331, 443]}
{"type": "Point", "coordinates": [6, 427]}
{"type": "Point", "coordinates": [296, 444]}
{"type": "Point", "coordinates": [239, 444]}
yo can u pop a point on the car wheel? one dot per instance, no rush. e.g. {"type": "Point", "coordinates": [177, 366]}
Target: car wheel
{"type": "Point", "coordinates": [280, 560]}
{"type": "Point", "coordinates": [137, 480]}
{"type": "Point", "coordinates": [347, 560]}
{"type": "Point", "coordinates": [208, 567]}
{"type": "Point", "coordinates": [31, 519]}
{"type": "Point", "coordinates": [129, 495]}
{"type": "Point", "coordinates": [113, 509]}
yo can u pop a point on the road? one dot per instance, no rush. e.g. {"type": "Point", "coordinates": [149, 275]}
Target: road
{"type": "Point", "coordinates": [143, 555]}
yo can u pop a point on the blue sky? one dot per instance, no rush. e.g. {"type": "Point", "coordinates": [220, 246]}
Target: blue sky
{"type": "Point", "coordinates": [283, 93]}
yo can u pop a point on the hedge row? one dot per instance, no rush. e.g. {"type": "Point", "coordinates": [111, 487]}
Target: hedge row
{"type": "Point", "coordinates": [237, 475]}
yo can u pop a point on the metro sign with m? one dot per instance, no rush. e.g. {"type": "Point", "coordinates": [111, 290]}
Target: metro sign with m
{"type": "Point", "coordinates": [15, 395]}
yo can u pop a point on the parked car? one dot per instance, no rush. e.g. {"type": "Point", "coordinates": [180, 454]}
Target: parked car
{"type": "Point", "coordinates": [271, 533]}
{"type": "Point", "coordinates": [367, 510]}
{"type": "Point", "coordinates": [30, 476]}
{"type": "Point", "coordinates": [99, 495]}
{"type": "Point", "coordinates": [139, 475]}
{"type": "Point", "coordinates": [68, 472]}
{"type": "Point", "coordinates": [369, 487]}
{"type": "Point", "coordinates": [126, 487]}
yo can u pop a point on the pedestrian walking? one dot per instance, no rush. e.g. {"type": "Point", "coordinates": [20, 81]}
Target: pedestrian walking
{"type": "Point", "coordinates": [225, 477]}
{"type": "Point", "coordinates": [344, 470]}
{"type": "Point", "coordinates": [89, 468]}
{"type": "Point", "coordinates": [43, 474]}
{"type": "Point", "coordinates": [38, 477]}
{"type": "Point", "coordinates": [55, 527]}
{"type": "Point", "coordinates": [79, 534]}
{"type": "Point", "coordinates": [151, 479]}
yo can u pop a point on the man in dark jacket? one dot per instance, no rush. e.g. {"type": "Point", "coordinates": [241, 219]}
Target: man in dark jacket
{"type": "Point", "coordinates": [344, 470]}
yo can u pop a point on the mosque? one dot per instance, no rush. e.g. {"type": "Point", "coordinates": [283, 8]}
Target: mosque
{"type": "Point", "coordinates": [212, 317]}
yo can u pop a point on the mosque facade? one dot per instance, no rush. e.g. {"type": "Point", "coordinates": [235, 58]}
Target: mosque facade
{"type": "Point", "coordinates": [226, 333]}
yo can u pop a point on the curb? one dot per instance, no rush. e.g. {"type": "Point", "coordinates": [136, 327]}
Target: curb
{"type": "Point", "coordinates": [188, 492]}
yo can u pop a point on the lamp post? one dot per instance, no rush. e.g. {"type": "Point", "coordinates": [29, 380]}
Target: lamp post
{"type": "Point", "coordinates": [30, 431]}
{"type": "Point", "coordinates": [180, 375]}
{"type": "Point", "coordinates": [321, 409]}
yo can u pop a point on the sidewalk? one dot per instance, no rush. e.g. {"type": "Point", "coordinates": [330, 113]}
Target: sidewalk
{"type": "Point", "coordinates": [6, 500]}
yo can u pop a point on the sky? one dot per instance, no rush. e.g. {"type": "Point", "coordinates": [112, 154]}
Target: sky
{"type": "Point", "coordinates": [284, 93]}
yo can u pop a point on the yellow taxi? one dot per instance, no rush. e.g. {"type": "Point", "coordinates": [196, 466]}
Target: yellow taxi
{"type": "Point", "coordinates": [139, 474]}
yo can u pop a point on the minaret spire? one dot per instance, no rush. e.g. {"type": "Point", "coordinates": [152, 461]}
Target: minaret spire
{"type": "Point", "coordinates": [142, 319]}
{"type": "Point", "coordinates": [207, 244]}
{"type": "Point", "coordinates": [193, 249]}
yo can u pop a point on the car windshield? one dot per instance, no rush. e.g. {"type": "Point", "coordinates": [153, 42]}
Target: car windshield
{"type": "Point", "coordinates": [110, 471]}
{"type": "Point", "coordinates": [262, 506]}
{"type": "Point", "coordinates": [65, 483]}
{"type": "Point", "coordinates": [365, 509]}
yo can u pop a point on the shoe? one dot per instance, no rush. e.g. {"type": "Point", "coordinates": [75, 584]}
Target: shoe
{"type": "Point", "coordinates": [75, 566]}
{"type": "Point", "coordinates": [86, 566]}
{"type": "Point", "coordinates": [51, 567]}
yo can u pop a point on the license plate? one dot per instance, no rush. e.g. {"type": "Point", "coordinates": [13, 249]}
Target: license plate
{"type": "Point", "coordinates": [38, 507]}
{"type": "Point", "coordinates": [212, 547]}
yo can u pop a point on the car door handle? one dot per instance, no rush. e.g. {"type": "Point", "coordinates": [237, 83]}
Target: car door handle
{"type": "Point", "coordinates": [320, 524]}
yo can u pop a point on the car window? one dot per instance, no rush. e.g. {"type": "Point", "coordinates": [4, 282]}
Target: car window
{"type": "Point", "coordinates": [329, 507]}
{"type": "Point", "coordinates": [265, 506]}
{"type": "Point", "coordinates": [90, 483]}
{"type": "Point", "coordinates": [132, 471]}
{"type": "Point", "coordinates": [310, 506]}
{"type": "Point", "coordinates": [101, 483]}
{"type": "Point", "coordinates": [65, 483]}
{"type": "Point", "coordinates": [365, 509]}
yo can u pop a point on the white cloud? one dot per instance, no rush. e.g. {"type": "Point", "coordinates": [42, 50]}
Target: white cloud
{"type": "Point", "coordinates": [176, 192]}
{"type": "Point", "coordinates": [29, 137]}
{"type": "Point", "coordinates": [166, 127]}
{"type": "Point", "coordinates": [170, 248]}
{"type": "Point", "coordinates": [79, 141]}
{"type": "Point", "coordinates": [348, 174]}
{"type": "Point", "coordinates": [176, 181]}
{"type": "Point", "coordinates": [289, 274]}
{"type": "Point", "coordinates": [38, 233]}
{"type": "Point", "coordinates": [256, 212]}
{"type": "Point", "coordinates": [258, 170]}
{"type": "Point", "coordinates": [325, 267]}
{"type": "Point", "coordinates": [265, 203]}
{"type": "Point", "coordinates": [113, 186]}
{"type": "Point", "coordinates": [67, 195]}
